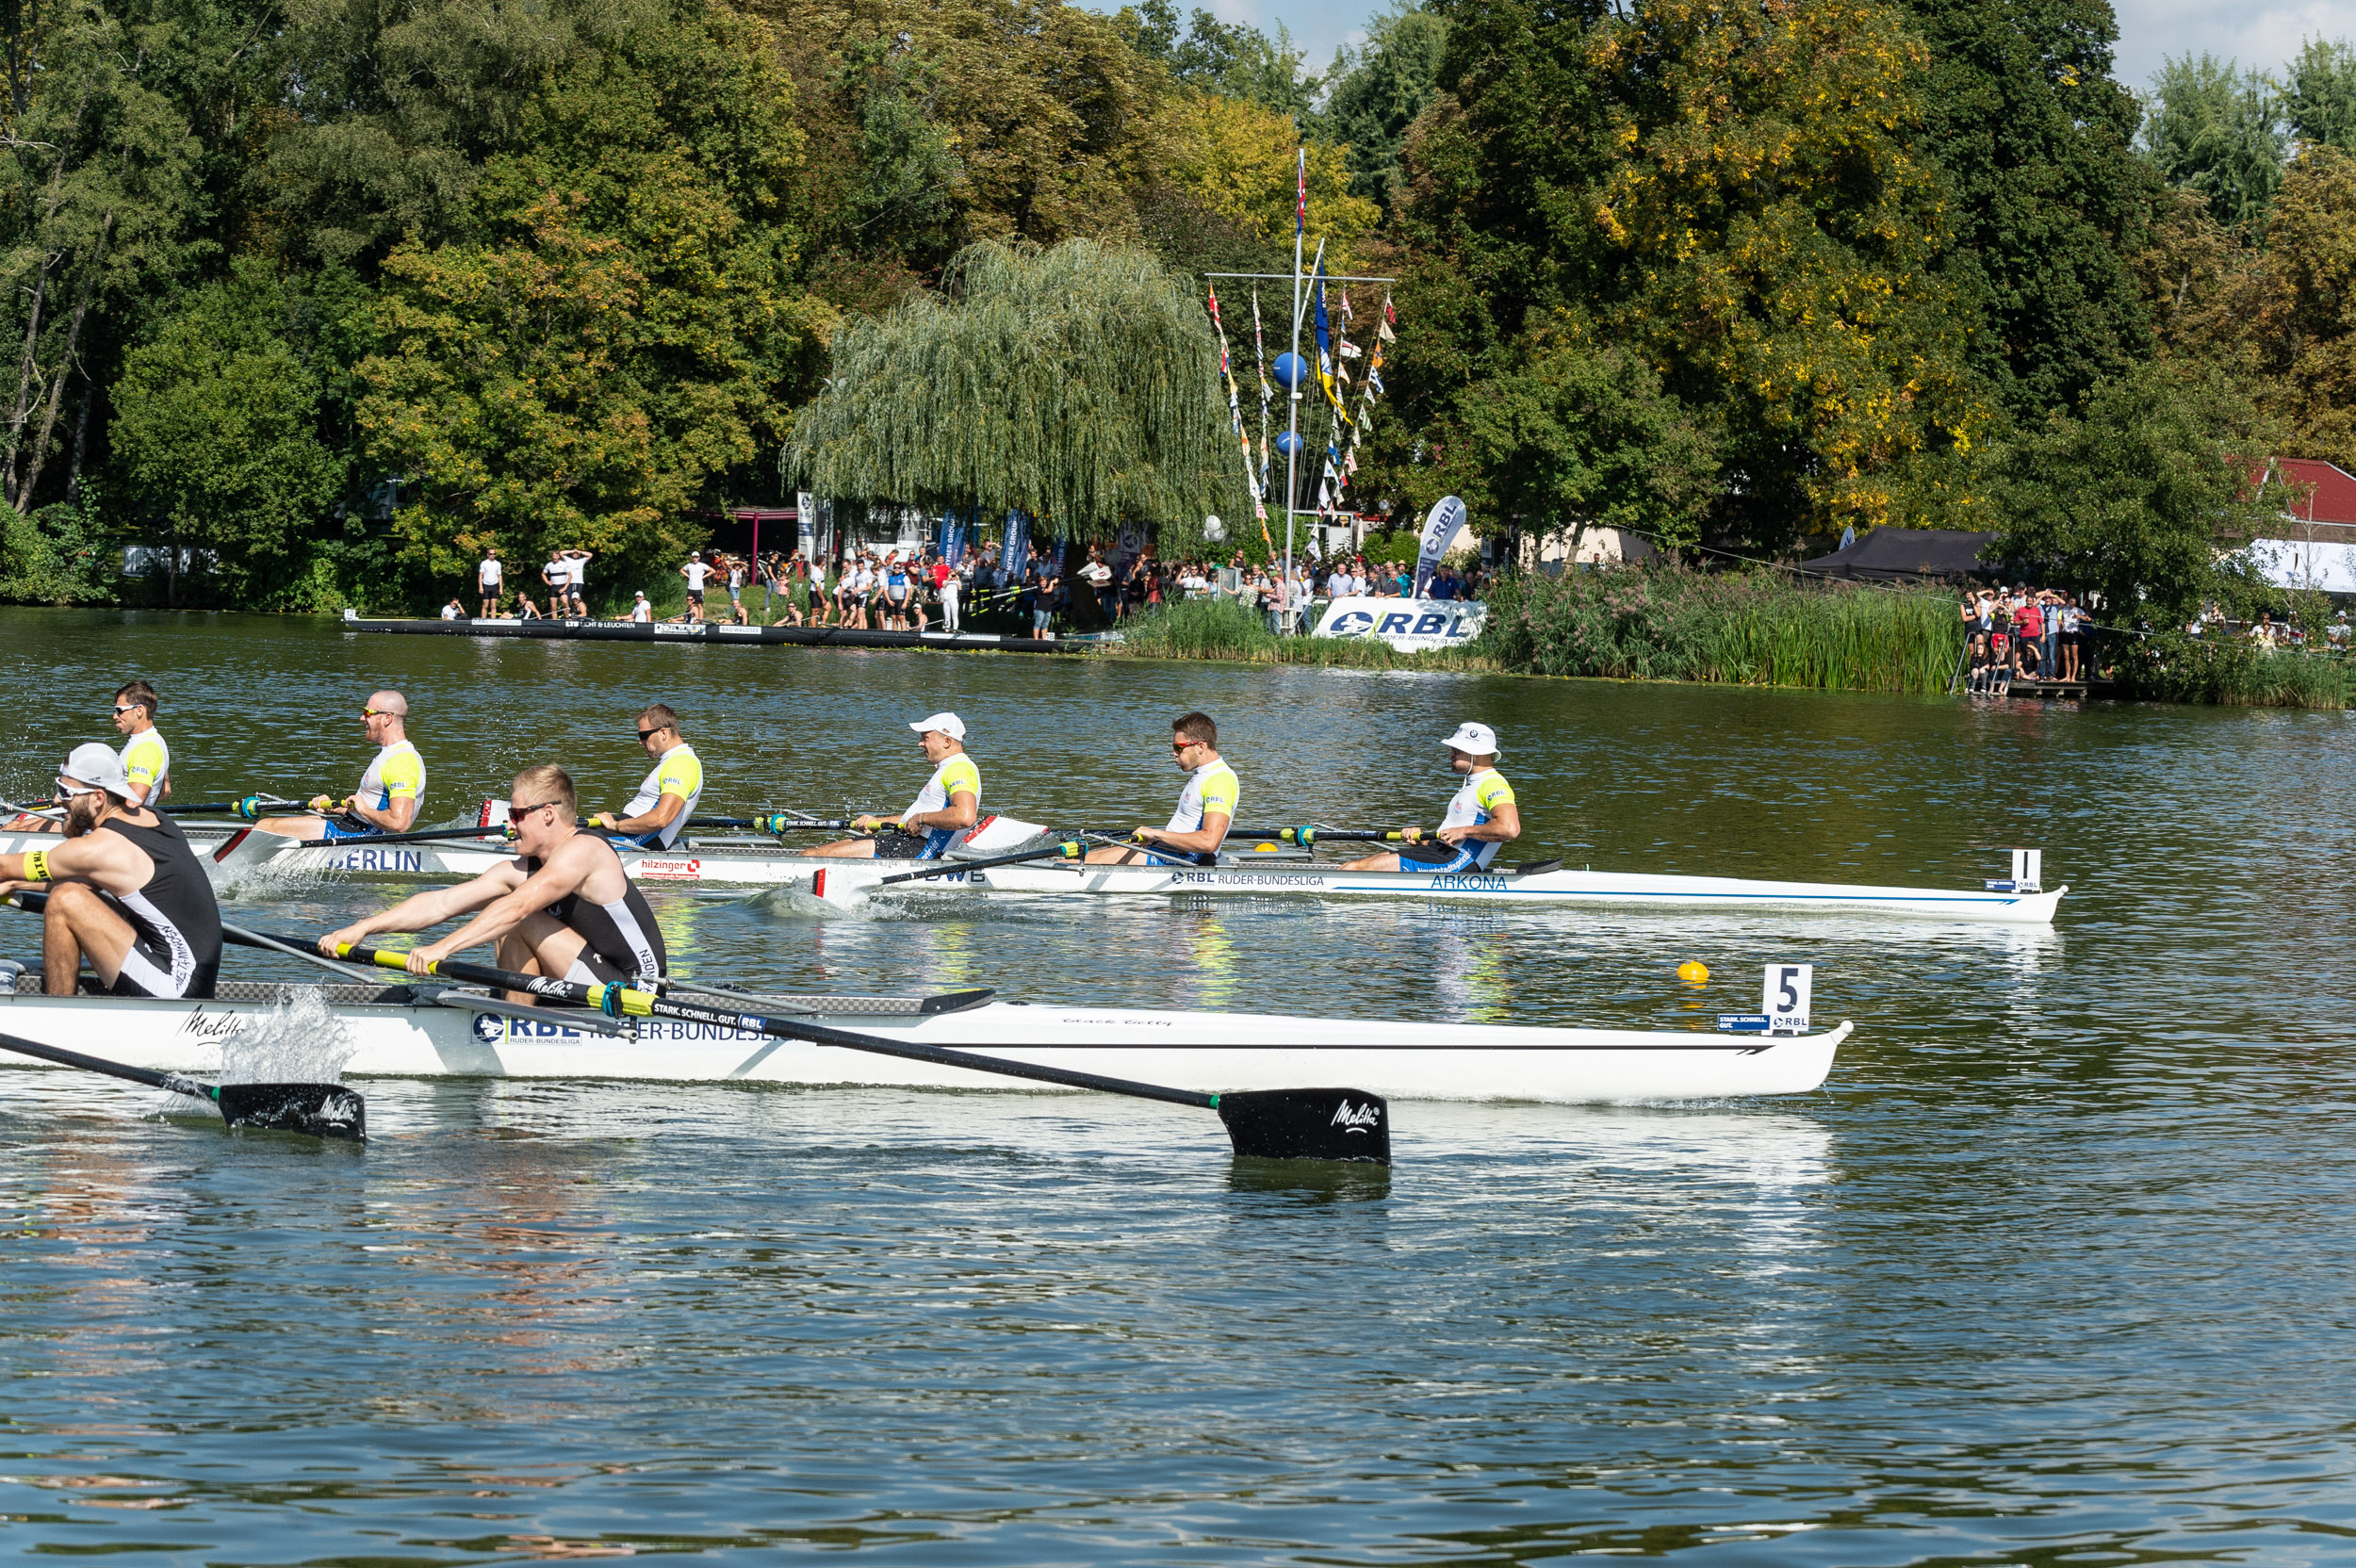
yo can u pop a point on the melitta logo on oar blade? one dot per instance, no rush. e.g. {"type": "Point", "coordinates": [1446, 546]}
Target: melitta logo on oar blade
{"type": "Point", "coordinates": [1308, 1124]}
{"type": "Point", "coordinates": [322, 1110]}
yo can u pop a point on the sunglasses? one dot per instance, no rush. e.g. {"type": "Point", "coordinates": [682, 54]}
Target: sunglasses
{"type": "Point", "coordinates": [646, 735]}
{"type": "Point", "coordinates": [122, 707]}
{"type": "Point", "coordinates": [378, 714]}
{"type": "Point", "coordinates": [516, 811]}
{"type": "Point", "coordinates": [1183, 745]}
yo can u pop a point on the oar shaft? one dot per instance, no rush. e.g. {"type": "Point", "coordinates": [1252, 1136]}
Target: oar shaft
{"type": "Point", "coordinates": [618, 1001]}
{"type": "Point", "coordinates": [934, 868]}
{"type": "Point", "coordinates": [63, 1057]}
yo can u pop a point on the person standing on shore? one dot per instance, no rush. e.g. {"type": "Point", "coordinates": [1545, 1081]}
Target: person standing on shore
{"type": "Point", "coordinates": [390, 792]}
{"type": "Point", "coordinates": [146, 759]}
{"type": "Point", "coordinates": [695, 572]}
{"type": "Point", "coordinates": [1481, 819]}
{"type": "Point", "coordinates": [641, 612]}
{"type": "Point", "coordinates": [952, 585]}
{"type": "Point", "coordinates": [577, 580]}
{"type": "Point", "coordinates": [1205, 806]}
{"type": "Point", "coordinates": [556, 577]}
{"type": "Point", "coordinates": [487, 578]}
{"type": "Point", "coordinates": [657, 814]}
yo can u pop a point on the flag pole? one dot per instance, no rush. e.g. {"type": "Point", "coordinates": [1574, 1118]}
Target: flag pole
{"type": "Point", "coordinates": [1292, 408]}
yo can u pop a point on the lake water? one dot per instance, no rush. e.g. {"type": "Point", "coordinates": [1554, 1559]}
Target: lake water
{"type": "Point", "coordinates": [2058, 1270]}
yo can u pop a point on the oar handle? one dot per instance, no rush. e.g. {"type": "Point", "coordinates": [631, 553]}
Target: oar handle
{"type": "Point", "coordinates": [1068, 850]}
{"type": "Point", "coordinates": [617, 1001]}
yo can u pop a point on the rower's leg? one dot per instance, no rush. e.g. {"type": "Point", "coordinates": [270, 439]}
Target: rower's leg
{"type": "Point", "coordinates": [308, 830]}
{"type": "Point", "coordinates": [77, 924]}
{"type": "Point", "coordinates": [1386, 861]}
{"type": "Point", "coordinates": [525, 950]}
{"type": "Point", "coordinates": [1115, 855]}
{"type": "Point", "coordinates": [844, 849]}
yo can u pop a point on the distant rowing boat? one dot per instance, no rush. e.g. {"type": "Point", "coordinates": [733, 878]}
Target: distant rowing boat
{"type": "Point", "coordinates": [397, 1034]}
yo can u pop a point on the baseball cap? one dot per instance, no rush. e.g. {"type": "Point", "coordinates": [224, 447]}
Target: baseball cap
{"type": "Point", "coordinates": [97, 767]}
{"type": "Point", "coordinates": [948, 724]}
{"type": "Point", "coordinates": [1478, 739]}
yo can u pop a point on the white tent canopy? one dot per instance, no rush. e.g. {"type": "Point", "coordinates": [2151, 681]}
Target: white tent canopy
{"type": "Point", "coordinates": [2328, 568]}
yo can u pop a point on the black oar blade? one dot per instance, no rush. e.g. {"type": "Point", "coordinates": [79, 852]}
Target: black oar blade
{"type": "Point", "coordinates": [321, 1110]}
{"type": "Point", "coordinates": [1308, 1124]}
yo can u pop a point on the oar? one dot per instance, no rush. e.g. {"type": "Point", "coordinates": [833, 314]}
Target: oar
{"type": "Point", "coordinates": [1276, 1124]}
{"type": "Point", "coordinates": [1065, 851]}
{"type": "Point", "coordinates": [427, 836]}
{"type": "Point", "coordinates": [322, 1110]}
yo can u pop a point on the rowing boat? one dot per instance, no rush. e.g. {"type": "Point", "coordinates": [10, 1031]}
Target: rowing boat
{"type": "Point", "coordinates": [240, 852]}
{"type": "Point", "coordinates": [401, 1032]}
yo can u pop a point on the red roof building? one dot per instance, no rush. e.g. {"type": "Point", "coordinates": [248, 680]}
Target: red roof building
{"type": "Point", "coordinates": [2317, 500]}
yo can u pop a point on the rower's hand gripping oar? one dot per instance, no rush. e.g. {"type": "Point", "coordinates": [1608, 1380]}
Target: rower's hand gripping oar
{"type": "Point", "coordinates": [322, 1110]}
{"type": "Point", "coordinates": [1276, 1124]}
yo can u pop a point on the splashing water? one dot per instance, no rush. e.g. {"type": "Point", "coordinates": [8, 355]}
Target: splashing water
{"type": "Point", "coordinates": [299, 1042]}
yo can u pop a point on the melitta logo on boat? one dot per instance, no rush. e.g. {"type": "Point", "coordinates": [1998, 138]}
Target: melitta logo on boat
{"type": "Point", "coordinates": [668, 871]}
{"type": "Point", "coordinates": [1356, 1119]}
{"type": "Point", "coordinates": [212, 1026]}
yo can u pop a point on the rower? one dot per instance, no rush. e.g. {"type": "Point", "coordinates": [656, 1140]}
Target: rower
{"type": "Point", "coordinates": [657, 814]}
{"type": "Point", "coordinates": [125, 891]}
{"type": "Point", "coordinates": [561, 907]}
{"type": "Point", "coordinates": [943, 811]}
{"type": "Point", "coordinates": [387, 800]}
{"type": "Point", "coordinates": [1205, 806]}
{"type": "Point", "coordinates": [1482, 818]}
{"type": "Point", "coordinates": [146, 760]}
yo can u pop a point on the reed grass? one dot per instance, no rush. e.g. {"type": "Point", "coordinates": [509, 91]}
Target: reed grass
{"type": "Point", "coordinates": [2172, 667]}
{"type": "Point", "coordinates": [1748, 629]}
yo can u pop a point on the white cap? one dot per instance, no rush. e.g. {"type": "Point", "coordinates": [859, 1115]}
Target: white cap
{"type": "Point", "coordinates": [98, 767]}
{"type": "Point", "coordinates": [1478, 739]}
{"type": "Point", "coordinates": [948, 724]}
{"type": "Point", "coordinates": [641, 593]}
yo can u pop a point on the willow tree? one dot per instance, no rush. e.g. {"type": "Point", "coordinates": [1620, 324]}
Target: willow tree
{"type": "Point", "coordinates": [1076, 384]}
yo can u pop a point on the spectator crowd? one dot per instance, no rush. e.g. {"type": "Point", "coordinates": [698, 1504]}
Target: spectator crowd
{"type": "Point", "coordinates": [2026, 634]}
{"type": "Point", "coordinates": [905, 588]}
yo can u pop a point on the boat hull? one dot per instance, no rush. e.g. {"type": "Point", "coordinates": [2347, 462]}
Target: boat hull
{"type": "Point", "coordinates": [755, 866]}
{"type": "Point", "coordinates": [1209, 1052]}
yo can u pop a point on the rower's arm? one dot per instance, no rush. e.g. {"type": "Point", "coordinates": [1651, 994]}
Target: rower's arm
{"type": "Point", "coordinates": [1503, 826]}
{"type": "Point", "coordinates": [665, 811]}
{"type": "Point", "coordinates": [562, 876]}
{"type": "Point", "coordinates": [964, 811]}
{"type": "Point", "coordinates": [1203, 840]}
{"type": "Point", "coordinates": [429, 908]}
{"type": "Point", "coordinates": [395, 818]}
{"type": "Point", "coordinates": [106, 860]}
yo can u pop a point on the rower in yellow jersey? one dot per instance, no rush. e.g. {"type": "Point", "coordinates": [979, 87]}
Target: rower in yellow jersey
{"type": "Point", "coordinates": [146, 758]}
{"type": "Point", "coordinates": [1205, 806]}
{"type": "Point", "coordinates": [1481, 819]}
{"type": "Point", "coordinates": [942, 813]}
{"type": "Point", "coordinates": [658, 814]}
{"type": "Point", "coordinates": [390, 789]}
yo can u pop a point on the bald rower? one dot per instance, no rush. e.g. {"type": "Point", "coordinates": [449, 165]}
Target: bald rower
{"type": "Point", "coordinates": [390, 792]}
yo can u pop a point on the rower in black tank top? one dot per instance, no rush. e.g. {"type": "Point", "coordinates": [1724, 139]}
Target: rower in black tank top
{"type": "Point", "coordinates": [622, 941]}
{"type": "Point", "coordinates": [177, 948]}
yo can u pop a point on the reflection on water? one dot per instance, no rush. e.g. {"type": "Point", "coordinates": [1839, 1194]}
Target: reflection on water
{"type": "Point", "coordinates": [2049, 1273]}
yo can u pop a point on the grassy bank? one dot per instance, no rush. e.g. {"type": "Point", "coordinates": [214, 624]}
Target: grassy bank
{"type": "Point", "coordinates": [1748, 629]}
{"type": "Point", "coordinates": [2171, 667]}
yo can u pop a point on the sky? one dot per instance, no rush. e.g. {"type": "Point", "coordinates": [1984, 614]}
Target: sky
{"type": "Point", "coordinates": [2260, 34]}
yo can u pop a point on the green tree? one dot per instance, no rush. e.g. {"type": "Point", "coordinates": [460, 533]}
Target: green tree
{"type": "Point", "coordinates": [2048, 198]}
{"type": "Point", "coordinates": [1230, 59]}
{"type": "Point", "coordinates": [1573, 435]}
{"type": "Point", "coordinates": [1073, 383]}
{"type": "Point", "coordinates": [2301, 308]}
{"type": "Point", "coordinates": [2217, 130]}
{"type": "Point", "coordinates": [2135, 496]}
{"type": "Point", "coordinates": [1378, 89]}
{"type": "Point", "coordinates": [2319, 99]}
{"type": "Point", "coordinates": [217, 431]}
{"type": "Point", "coordinates": [622, 329]}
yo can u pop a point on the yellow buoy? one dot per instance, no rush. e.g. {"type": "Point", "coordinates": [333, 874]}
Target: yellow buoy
{"type": "Point", "coordinates": [1264, 849]}
{"type": "Point", "coordinates": [1693, 972]}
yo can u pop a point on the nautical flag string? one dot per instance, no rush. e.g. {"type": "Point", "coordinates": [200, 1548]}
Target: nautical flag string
{"type": "Point", "coordinates": [1267, 393]}
{"type": "Point", "coordinates": [1300, 200]}
{"type": "Point", "coordinates": [1371, 390]}
{"type": "Point", "coordinates": [1235, 409]}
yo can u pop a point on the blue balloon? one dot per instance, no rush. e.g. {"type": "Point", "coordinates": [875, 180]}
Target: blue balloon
{"type": "Point", "coordinates": [1289, 443]}
{"type": "Point", "coordinates": [1291, 370]}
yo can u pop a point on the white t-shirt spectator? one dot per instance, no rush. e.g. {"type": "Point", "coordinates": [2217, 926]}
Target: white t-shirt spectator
{"type": "Point", "coordinates": [642, 610]}
{"type": "Point", "coordinates": [697, 572]}
{"type": "Point", "coordinates": [488, 573]}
